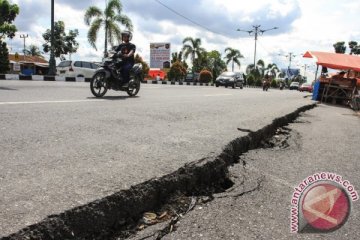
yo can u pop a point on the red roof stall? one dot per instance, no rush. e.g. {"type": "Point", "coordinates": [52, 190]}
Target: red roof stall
{"type": "Point", "coordinates": [339, 88]}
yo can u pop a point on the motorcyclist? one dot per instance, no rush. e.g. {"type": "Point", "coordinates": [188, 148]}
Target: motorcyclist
{"type": "Point", "coordinates": [127, 51]}
{"type": "Point", "coordinates": [266, 80]}
{"type": "Point", "coordinates": [282, 85]}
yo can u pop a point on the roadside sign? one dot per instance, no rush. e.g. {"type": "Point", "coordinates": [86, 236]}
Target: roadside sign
{"type": "Point", "coordinates": [160, 55]}
{"type": "Point", "coordinates": [16, 67]}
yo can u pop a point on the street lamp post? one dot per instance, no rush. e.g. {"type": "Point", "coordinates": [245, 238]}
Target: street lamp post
{"type": "Point", "coordinates": [290, 55]}
{"type": "Point", "coordinates": [256, 31]}
{"type": "Point", "coordinates": [24, 37]}
{"type": "Point", "coordinates": [52, 63]}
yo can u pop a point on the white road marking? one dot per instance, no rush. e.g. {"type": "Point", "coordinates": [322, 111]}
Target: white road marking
{"type": "Point", "coordinates": [218, 95]}
{"type": "Point", "coordinates": [59, 101]}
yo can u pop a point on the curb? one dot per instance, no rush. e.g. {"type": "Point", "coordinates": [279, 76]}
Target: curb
{"type": "Point", "coordinates": [42, 78]}
{"type": "Point", "coordinates": [81, 79]}
{"type": "Point", "coordinates": [177, 83]}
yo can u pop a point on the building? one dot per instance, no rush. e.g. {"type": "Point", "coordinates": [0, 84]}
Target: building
{"type": "Point", "coordinates": [28, 65]}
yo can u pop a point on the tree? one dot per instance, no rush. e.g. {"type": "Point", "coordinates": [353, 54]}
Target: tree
{"type": "Point", "coordinates": [192, 47]}
{"type": "Point", "coordinates": [175, 57]}
{"type": "Point", "coordinates": [354, 48]}
{"type": "Point", "coordinates": [64, 43]}
{"type": "Point", "coordinates": [33, 51]}
{"type": "Point", "coordinates": [233, 55]}
{"type": "Point", "coordinates": [250, 80]}
{"type": "Point", "coordinates": [178, 57]}
{"type": "Point", "coordinates": [339, 47]}
{"type": "Point", "coordinates": [177, 71]}
{"type": "Point", "coordinates": [256, 71]}
{"type": "Point", "coordinates": [8, 14]}
{"type": "Point", "coordinates": [215, 63]}
{"type": "Point", "coordinates": [145, 66]}
{"type": "Point", "coordinates": [7, 29]}
{"type": "Point", "coordinates": [4, 58]}
{"type": "Point", "coordinates": [109, 19]}
{"type": "Point", "coordinates": [201, 62]}
{"type": "Point", "coordinates": [272, 69]}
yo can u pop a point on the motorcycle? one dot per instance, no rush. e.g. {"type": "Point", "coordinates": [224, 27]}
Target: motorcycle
{"type": "Point", "coordinates": [266, 85]}
{"type": "Point", "coordinates": [108, 77]}
{"type": "Point", "coordinates": [282, 85]}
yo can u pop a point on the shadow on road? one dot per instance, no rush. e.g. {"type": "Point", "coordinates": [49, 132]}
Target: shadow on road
{"type": "Point", "coordinates": [113, 97]}
{"type": "Point", "coordinates": [5, 88]}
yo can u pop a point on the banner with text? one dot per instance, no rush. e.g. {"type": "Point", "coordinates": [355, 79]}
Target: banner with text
{"type": "Point", "coordinates": [160, 55]}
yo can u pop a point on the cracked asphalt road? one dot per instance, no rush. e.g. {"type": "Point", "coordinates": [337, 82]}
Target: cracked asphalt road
{"type": "Point", "coordinates": [324, 139]}
{"type": "Point", "coordinates": [61, 148]}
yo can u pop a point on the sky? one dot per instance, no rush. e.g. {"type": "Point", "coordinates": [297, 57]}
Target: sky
{"type": "Point", "coordinates": [303, 25]}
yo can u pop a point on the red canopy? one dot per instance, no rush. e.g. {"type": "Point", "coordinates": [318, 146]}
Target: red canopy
{"type": "Point", "coordinates": [335, 60]}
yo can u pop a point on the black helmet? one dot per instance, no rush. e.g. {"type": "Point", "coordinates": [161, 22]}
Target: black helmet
{"type": "Point", "coordinates": [126, 33]}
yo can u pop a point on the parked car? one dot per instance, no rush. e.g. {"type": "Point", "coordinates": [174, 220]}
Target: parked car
{"type": "Point", "coordinates": [307, 87]}
{"type": "Point", "coordinates": [192, 77]}
{"type": "Point", "coordinates": [70, 68]}
{"type": "Point", "coordinates": [294, 85]}
{"type": "Point", "coordinates": [233, 79]}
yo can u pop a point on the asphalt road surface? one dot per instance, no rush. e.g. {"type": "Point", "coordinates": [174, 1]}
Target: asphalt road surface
{"type": "Point", "coordinates": [60, 147]}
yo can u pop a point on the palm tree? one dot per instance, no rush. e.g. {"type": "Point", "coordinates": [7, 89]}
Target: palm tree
{"type": "Point", "coordinates": [233, 55]}
{"type": "Point", "coordinates": [33, 51]}
{"type": "Point", "coordinates": [192, 48]}
{"type": "Point", "coordinates": [176, 57]}
{"type": "Point", "coordinates": [109, 19]}
{"type": "Point", "coordinates": [272, 69]}
{"type": "Point", "coordinates": [256, 71]}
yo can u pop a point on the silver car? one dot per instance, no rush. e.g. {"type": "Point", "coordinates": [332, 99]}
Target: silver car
{"type": "Point", "coordinates": [232, 79]}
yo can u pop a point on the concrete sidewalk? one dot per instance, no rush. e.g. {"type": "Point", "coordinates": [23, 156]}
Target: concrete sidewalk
{"type": "Point", "coordinates": [325, 139]}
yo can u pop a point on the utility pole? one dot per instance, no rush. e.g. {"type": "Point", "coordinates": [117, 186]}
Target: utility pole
{"type": "Point", "coordinates": [24, 37]}
{"type": "Point", "coordinates": [305, 65]}
{"type": "Point", "coordinates": [256, 31]}
{"type": "Point", "coordinates": [290, 55]}
{"type": "Point", "coordinates": [52, 63]}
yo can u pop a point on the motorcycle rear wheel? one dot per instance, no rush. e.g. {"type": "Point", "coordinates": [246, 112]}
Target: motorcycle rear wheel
{"type": "Point", "coordinates": [98, 84]}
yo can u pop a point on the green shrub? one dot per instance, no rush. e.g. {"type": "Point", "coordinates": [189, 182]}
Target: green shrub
{"type": "Point", "coordinates": [205, 76]}
{"type": "Point", "coordinates": [258, 83]}
{"type": "Point", "coordinates": [273, 83]}
{"type": "Point", "coordinates": [250, 80]}
{"type": "Point", "coordinates": [177, 72]}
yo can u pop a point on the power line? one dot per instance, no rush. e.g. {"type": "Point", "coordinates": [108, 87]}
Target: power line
{"type": "Point", "coordinates": [190, 20]}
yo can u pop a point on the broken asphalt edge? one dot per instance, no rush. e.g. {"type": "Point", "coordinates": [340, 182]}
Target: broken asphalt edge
{"type": "Point", "coordinates": [97, 219]}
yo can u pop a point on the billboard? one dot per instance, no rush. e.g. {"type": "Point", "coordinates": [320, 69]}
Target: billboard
{"type": "Point", "coordinates": [160, 55]}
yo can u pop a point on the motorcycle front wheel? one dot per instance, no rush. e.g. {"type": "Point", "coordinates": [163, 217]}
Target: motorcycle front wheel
{"type": "Point", "coordinates": [98, 84]}
{"type": "Point", "coordinates": [134, 87]}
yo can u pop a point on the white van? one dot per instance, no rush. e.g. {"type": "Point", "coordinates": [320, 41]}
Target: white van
{"type": "Point", "coordinates": [70, 68]}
